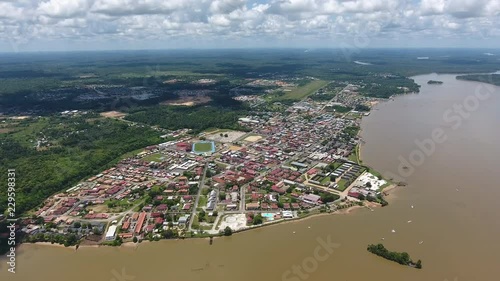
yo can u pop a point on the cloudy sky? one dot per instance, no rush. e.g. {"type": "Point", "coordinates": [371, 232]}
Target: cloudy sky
{"type": "Point", "coordinates": [40, 25]}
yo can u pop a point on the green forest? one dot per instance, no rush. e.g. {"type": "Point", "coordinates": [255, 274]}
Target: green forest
{"type": "Point", "coordinates": [197, 118]}
{"type": "Point", "coordinates": [47, 83]}
{"type": "Point", "coordinates": [79, 148]}
{"type": "Point", "coordinates": [387, 86]}
{"type": "Point", "coordinates": [485, 78]}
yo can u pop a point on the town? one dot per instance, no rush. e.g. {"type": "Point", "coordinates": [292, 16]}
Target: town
{"type": "Point", "coordinates": [290, 164]}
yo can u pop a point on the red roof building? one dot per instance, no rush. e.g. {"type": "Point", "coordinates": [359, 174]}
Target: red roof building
{"type": "Point", "coordinates": [140, 222]}
{"type": "Point", "coordinates": [126, 225]}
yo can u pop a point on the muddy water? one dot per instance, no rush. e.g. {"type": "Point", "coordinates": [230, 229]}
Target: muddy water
{"type": "Point", "coordinates": [459, 229]}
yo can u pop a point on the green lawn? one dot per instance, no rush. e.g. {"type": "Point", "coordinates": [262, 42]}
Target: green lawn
{"type": "Point", "coordinates": [196, 222]}
{"type": "Point", "coordinates": [336, 165]}
{"type": "Point", "coordinates": [325, 181]}
{"type": "Point", "coordinates": [302, 92]}
{"type": "Point", "coordinates": [206, 227]}
{"type": "Point", "coordinates": [342, 185]}
{"type": "Point", "coordinates": [354, 155]}
{"type": "Point", "coordinates": [341, 109]}
{"type": "Point", "coordinates": [131, 153]}
{"type": "Point", "coordinates": [31, 130]}
{"type": "Point", "coordinates": [284, 198]}
{"type": "Point", "coordinates": [202, 201]}
{"type": "Point", "coordinates": [117, 205]}
{"type": "Point", "coordinates": [375, 173]}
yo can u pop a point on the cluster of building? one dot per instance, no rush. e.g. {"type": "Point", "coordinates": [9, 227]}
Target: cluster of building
{"type": "Point", "coordinates": [286, 164]}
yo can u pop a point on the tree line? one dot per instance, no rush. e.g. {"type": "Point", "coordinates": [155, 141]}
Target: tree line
{"type": "Point", "coordinates": [73, 157]}
{"type": "Point", "coordinates": [401, 258]}
{"type": "Point", "coordinates": [196, 118]}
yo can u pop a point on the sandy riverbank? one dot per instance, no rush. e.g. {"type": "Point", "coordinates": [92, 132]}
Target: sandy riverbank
{"type": "Point", "coordinates": [52, 245]}
{"type": "Point", "coordinates": [391, 188]}
{"type": "Point", "coordinates": [62, 246]}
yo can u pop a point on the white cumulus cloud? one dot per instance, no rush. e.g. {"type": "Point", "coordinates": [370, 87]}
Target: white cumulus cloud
{"type": "Point", "coordinates": [271, 22]}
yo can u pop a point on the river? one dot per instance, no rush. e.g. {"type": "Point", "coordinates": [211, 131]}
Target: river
{"type": "Point", "coordinates": [454, 225]}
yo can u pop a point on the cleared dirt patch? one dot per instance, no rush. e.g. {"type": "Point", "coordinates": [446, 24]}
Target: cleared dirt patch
{"type": "Point", "coordinates": [5, 130]}
{"type": "Point", "coordinates": [20, 117]}
{"type": "Point", "coordinates": [227, 136]}
{"type": "Point", "coordinates": [253, 138]}
{"type": "Point", "coordinates": [113, 114]}
{"type": "Point", "coordinates": [188, 101]}
{"type": "Point", "coordinates": [234, 148]}
{"type": "Point", "coordinates": [235, 222]}
{"type": "Point", "coordinates": [99, 208]}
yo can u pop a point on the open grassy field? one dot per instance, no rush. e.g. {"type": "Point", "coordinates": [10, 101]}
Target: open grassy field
{"type": "Point", "coordinates": [342, 185]}
{"type": "Point", "coordinates": [325, 180]}
{"type": "Point", "coordinates": [202, 201]}
{"type": "Point", "coordinates": [304, 91]}
{"type": "Point", "coordinates": [156, 157]}
{"type": "Point", "coordinates": [336, 165]}
{"type": "Point", "coordinates": [196, 222]}
{"type": "Point", "coordinates": [130, 154]}
{"type": "Point", "coordinates": [354, 156]}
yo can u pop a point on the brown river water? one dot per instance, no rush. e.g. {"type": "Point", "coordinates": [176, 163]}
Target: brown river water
{"type": "Point", "coordinates": [453, 186]}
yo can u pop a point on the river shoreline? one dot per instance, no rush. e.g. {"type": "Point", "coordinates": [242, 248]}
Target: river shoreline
{"type": "Point", "coordinates": [130, 244]}
{"type": "Point", "coordinates": [454, 204]}
{"type": "Point", "coordinates": [386, 191]}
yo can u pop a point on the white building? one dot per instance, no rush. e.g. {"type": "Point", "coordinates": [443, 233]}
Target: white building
{"type": "Point", "coordinates": [287, 214]}
{"type": "Point", "coordinates": [110, 235]}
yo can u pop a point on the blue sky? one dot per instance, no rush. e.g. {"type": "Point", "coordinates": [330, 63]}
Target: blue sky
{"type": "Point", "coordinates": [62, 25]}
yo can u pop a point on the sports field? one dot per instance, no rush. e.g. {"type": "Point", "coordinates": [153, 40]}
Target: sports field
{"type": "Point", "coordinates": [203, 147]}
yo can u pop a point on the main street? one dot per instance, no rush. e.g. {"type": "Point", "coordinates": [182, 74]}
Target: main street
{"type": "Point", "coordinates": [200, 187]}
{"type": "Point", "coordinates": [333, 99]}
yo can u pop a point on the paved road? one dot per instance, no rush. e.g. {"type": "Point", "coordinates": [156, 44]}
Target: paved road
{"type": "Point", "coordinates": [200, 187]}
{"type": "Point", "coordinates": [242, 198]}
{"type": "Point", "coordinates": [334, 97]}
{"type": "Point", "coordinates": [129, 211]}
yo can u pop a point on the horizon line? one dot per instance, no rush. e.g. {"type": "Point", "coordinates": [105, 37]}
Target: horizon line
{"type": "Point", "coordinates": [246, 48]}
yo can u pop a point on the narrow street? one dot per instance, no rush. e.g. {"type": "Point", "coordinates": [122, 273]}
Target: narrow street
{"type": "Point", "coordinates": [200, 187]}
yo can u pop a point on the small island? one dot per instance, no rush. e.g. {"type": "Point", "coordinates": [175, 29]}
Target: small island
{"type": "Point", "coordinates": [401, 258]}
{"type": "Point", "coordinates": [434, 82]}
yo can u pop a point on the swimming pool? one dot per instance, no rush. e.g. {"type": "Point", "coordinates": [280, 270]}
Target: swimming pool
{"type": "Point", "coordinates": [268, 216]}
